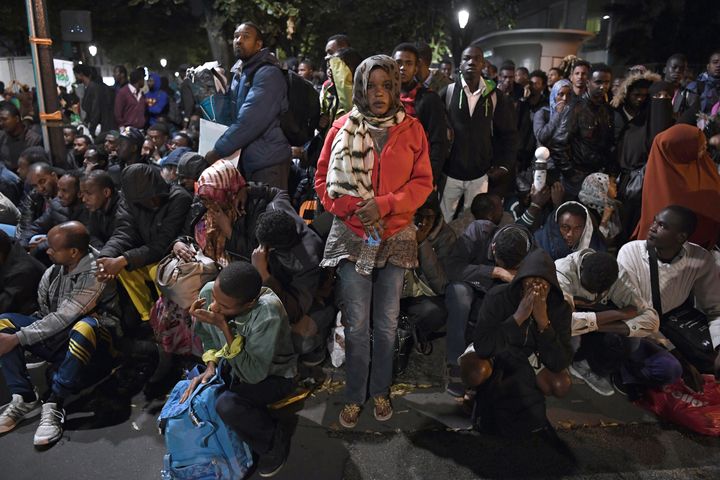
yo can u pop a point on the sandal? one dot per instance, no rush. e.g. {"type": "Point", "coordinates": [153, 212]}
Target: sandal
{"type": "Point", "coordinates": [383, 408]}
{"type": "Point", "coordinates": [349, 415]}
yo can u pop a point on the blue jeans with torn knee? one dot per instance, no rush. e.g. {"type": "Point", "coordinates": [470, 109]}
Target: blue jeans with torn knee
{"type": "Point", "coordinates": [82, 353]}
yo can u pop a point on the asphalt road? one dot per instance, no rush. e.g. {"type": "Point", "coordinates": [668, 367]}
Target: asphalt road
{"type": "Point", "coordinates": [111, 434]}
{"type": "Point", "coordinates": [133, 450]}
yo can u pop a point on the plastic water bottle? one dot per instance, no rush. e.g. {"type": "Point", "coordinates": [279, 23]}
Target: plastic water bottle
{"type": "Point", "coordinates": [541, 156]}
{"type": "Point", "coordinates": [370, 247]}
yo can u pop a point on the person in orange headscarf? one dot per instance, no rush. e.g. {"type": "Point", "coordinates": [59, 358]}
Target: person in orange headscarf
{"type": "Point", "coordinates": [679, 171]}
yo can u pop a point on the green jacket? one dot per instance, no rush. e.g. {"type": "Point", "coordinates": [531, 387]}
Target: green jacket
{"type": "Point", "coordinates": [262, 345]}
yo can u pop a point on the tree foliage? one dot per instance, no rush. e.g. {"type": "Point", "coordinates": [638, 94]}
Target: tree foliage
{"type": "Point", "coordinates": [503, 13]}
{"type": "Point", "coordinates": [190, 31]}
{"type": "Point", "coordinates": [649, 31]}
{"type": "Point", "coordinates": [13, 35]}
{"type": "Point", "coordinates": [301, 27]}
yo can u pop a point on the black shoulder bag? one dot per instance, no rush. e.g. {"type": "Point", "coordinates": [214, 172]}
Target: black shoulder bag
{"type": "Point", "coordinates": [685, 326]}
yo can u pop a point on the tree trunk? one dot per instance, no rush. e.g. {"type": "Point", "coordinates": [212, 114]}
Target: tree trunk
{"type": "Point", "coordinates": [219, 45]}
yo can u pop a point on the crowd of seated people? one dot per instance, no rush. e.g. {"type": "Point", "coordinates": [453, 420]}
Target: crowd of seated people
{"type": "Point", "coordinates": [530, 285]}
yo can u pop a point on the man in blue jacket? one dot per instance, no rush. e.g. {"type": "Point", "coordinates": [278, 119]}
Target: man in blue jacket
{"type": "Point", "coordinates": [259, 96]}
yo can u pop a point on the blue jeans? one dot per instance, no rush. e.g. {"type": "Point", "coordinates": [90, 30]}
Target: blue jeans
{"type": "Point", "coordinates": [459, 298]}
{"type": "Point", "coordinates": [363, 297]}
{"type": "Point", "coordinates": [82, 353]}
{"type": "Point", "coordinates": [639, 361]}
{"type": "Point", "coordinates": [651, 365]}
{"type": "Point", "coordinates": [324, 318]}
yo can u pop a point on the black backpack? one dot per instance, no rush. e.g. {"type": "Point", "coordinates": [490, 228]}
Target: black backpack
{"type": "Point", "coordinates": [301, 119]}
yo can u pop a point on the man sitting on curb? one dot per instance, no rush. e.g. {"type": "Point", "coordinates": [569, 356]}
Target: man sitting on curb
{"type": "Point", "coordinates": [482, 257]}
{"type": "Point", "coordinates": [521, 350]}
{"type": "Point", "coordinates": [149, 219]}
{"type": "Point", "coordinates": [686, 271]}
{"type": "Point", "coordinates": [288, 260]}
{"type": "Point", "coordinates": [101, 199]}
{"type": "Point", "coordinates": [611, 320]}
{"type": "Point", "coordinates": [72, 329]}
{"type": "Point", "coordinates": [245, 323]}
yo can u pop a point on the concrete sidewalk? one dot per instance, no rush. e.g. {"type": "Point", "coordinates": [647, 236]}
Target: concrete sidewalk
{"type": "Point", "coordinates": [114, 436]}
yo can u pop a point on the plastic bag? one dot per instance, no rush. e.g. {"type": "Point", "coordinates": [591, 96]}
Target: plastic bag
{"type": "Point", "coordinates": [676, 403]}
{"type": "Point", "coordinates": [336, 342]}
{"type": "Point", "coordinates": [210, 87]}
{"type": "Point", "coordinates": [172, 327]}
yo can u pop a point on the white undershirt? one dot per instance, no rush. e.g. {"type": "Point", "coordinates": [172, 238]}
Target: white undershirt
{"type": "Point", "coordinates": [135, 92]}
{"type": "Point", "coordinates": [473, 97]}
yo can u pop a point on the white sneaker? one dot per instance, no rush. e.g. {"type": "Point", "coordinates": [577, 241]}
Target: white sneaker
{"type": "Point", "coordinates": [51, 425]}
{"type": "Point", "coordinates": [17, 411]}
{"type": "Point", "coordinates": [601, 385]}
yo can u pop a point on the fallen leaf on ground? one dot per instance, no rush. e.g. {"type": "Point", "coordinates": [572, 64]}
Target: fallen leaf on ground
{"type": "Point", "coordinates": [401, 389]}
{"type": "Point", "coordinates": [330, 386]}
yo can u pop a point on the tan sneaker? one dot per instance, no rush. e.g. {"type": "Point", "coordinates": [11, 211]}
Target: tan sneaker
{"type": "Point", "coordinates": [383, 408]}
{"type": "Point", "coordinates": [349, 415]}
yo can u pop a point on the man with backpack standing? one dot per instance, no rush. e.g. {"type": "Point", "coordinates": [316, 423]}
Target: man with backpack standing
{"type": "Point", "coordinates": [485, 143]}
{"type": "Point", "coordinates": [259, 98]}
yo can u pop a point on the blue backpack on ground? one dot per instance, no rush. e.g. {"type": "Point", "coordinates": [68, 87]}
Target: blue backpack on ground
{"type": "Point", "coordinates": [199, 444]}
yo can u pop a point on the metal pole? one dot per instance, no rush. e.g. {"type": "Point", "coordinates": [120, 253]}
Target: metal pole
{"type": "Point", "coordinates": [44, 70]}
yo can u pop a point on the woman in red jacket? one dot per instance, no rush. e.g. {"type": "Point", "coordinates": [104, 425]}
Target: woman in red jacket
{"type": "Point", "coordinates": [373, 173]}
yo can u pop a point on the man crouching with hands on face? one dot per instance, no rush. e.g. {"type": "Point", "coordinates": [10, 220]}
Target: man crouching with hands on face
{"type": "Point", "coordinates": [245, 323]}
{"type": "Point", "coordinates": [521, 350]}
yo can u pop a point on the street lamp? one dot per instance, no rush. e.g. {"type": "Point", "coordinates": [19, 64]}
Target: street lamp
{"type": "Point", "coordinates": [163, 62]}
{"type": "Point", "coordinates": [606, 17]}
{"type": "Point", "coordinates": [93, 50]}
{"type": "Point", "coordinates": [463, 17]}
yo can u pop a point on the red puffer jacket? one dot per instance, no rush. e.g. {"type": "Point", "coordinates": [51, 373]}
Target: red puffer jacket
{"type": "Point", "coordinates": [402, 178]}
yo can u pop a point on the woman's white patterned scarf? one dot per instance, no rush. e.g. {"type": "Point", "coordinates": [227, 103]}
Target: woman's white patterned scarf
{"type": "Point", "coordinates": [351, 157]}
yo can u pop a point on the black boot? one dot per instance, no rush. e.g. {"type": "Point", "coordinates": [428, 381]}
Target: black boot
{"type": "Point", "coordinates": [272, 461]}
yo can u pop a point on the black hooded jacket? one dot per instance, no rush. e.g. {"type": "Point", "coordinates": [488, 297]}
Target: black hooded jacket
{"type": "Point", "coordinates": [510, 402]}
{"type": "Point", "coordinates": [635, 136]}
{"type": "Point", "coordinates": [295, 271]}
{"type": "Point", "coordinates": [143, 235]}
{"type": "Point", "coordinates": [589, 145]}
{"type": "Point", "coordinates": [191, 165]}
{"type": "Point", "coordinates": [56, 214]}
{"type": "Point", "coordinates": [471, 259]}
{"type": "Point", "coordinates": [101, 224]}
{"type": "Point", "coordinates": [19, 279]}
{"type": "Point", "coordinates": [430, 111]}
{"type": "Point", "coordinates": [497, 334]}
